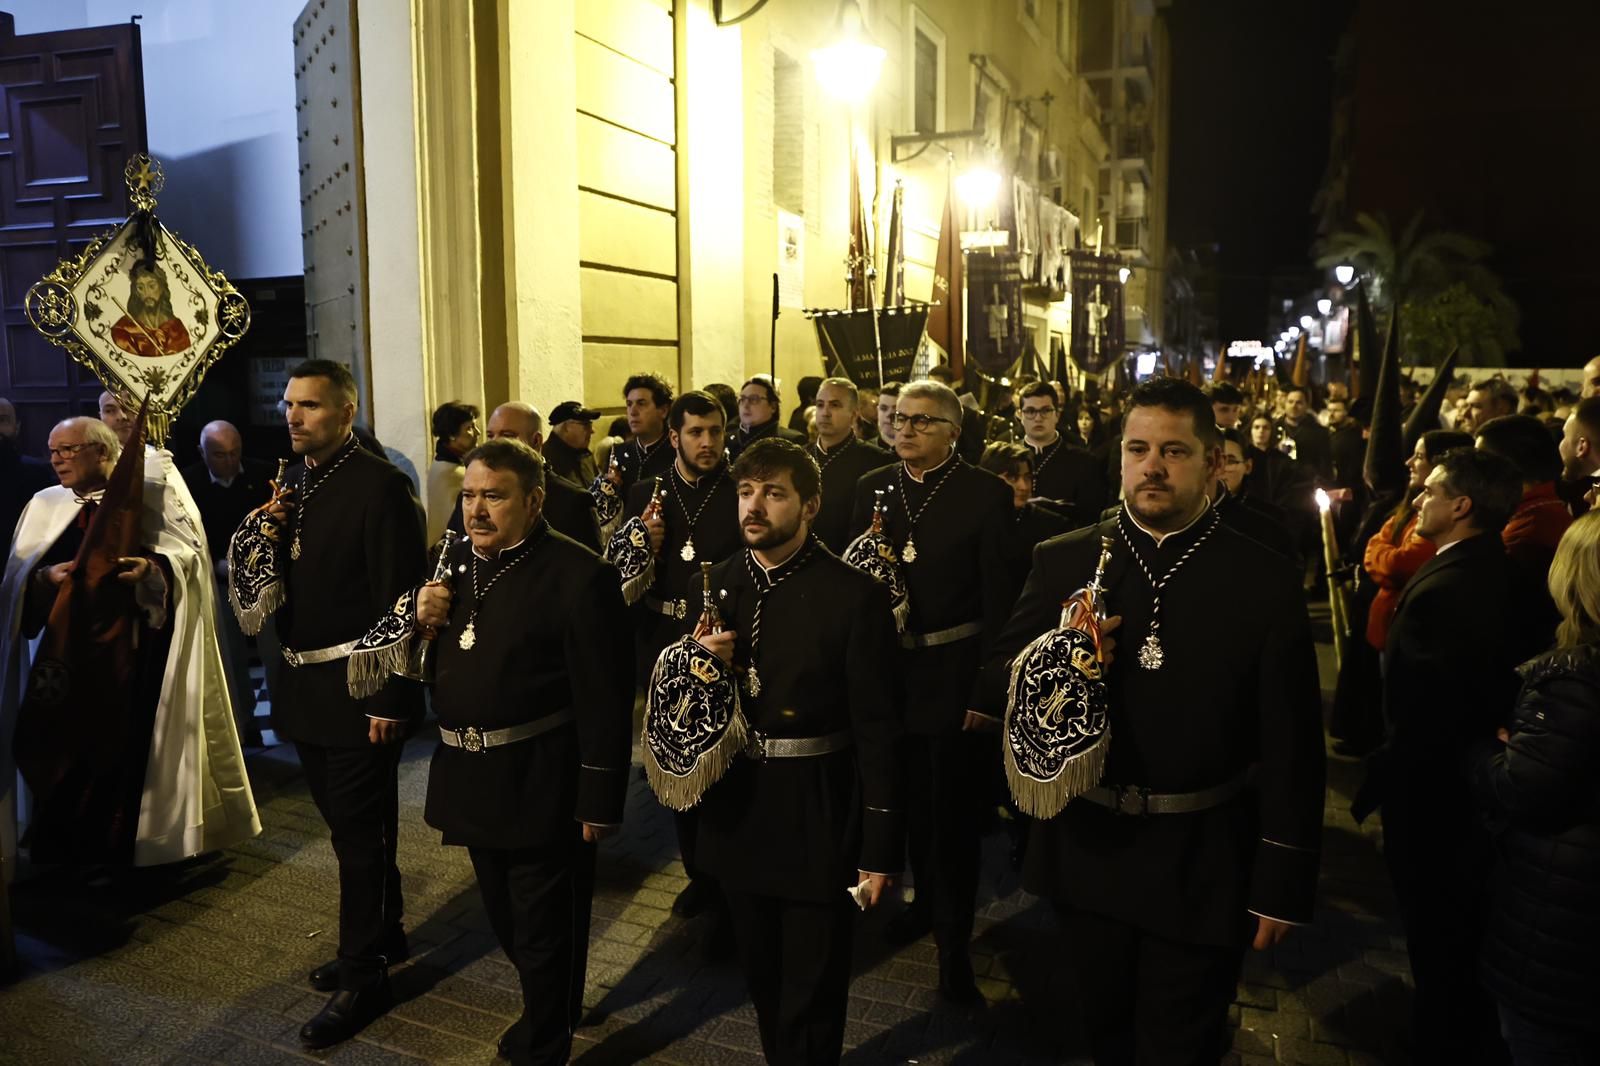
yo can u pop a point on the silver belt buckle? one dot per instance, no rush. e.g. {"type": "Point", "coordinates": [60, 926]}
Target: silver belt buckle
{"type": "Point", "coordinates": [755, 745]}
{"type": "Point", "coordinates": [471, 739]}
{"type": "Point", "coordinates": [680, 609]}
{"type": "Point", "coordinates": [291, 656]}
{"type": "Point", "coordinates": [1133, 801]}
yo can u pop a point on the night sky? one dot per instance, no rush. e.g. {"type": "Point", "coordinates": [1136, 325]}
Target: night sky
{"type": "Point", "coordinates": [1251, 98]}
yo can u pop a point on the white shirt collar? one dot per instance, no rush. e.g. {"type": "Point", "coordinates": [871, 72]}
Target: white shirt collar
{"type": "Point", "coordinates": [918, 478]}
{"type": "Point", "coordinates": [1041, 447]}
{"type": "Point", "coordinates": [498, 554]}
{"type": "Point", "coordinates": [215, 480]}
{"type": "Point", "coordinates": [1159, 537]}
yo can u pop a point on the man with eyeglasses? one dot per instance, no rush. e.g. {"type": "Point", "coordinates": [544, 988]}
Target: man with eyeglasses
{"type": "Point", "coordinates": [1065, 478]}
{"type": "Point", "coordinates": [1256, 519]}
{"type": "Point", "coordinates": [107, 737]}
{"type": "Point", "coordinates": [758, 417]}
{"type": "Point", "coordinates": [950, 525]}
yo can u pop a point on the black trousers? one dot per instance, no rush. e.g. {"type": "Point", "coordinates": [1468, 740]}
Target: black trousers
{"type": "Point", "coordinates": [538, 902]}
{"type": "Point", "coordinates": [357, 791]}
{"type": "Point", "coordinates": [1440, 860]}
{"type": "Point", "coordinates": [796, 962]}
{"type": "Point", "coordinates": [947, 778]}
{"type": "Point", "coordinates": [1147, 1000]}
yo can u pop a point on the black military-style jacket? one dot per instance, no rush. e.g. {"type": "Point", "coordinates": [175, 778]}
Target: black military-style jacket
{"type": "Point", "coordinates": [549, 635]}
{"type": "Point", "coordinates": [842, 467]}
{"type": "Point", "coordinates": [1236, 689]}
{"type": "Point", "coordinates": [1070, 479]}
{"type": "Point", "coordinates": [961, 575]}
{"type": "Point", "coordinates": [800, 828]}
{"type": "Point", "coordinates": [677, 581]}
{"type": "Point", "coordinates": [361, 538]}
{"type": "Point", "coordinates": [636, 462]}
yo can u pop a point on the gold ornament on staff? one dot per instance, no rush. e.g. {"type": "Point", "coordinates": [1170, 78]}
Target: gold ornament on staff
{"type": "Point", "coordinates": [178, 317]}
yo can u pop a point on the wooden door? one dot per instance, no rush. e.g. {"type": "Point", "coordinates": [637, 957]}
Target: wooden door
{"type": "Point", "coordinates": [71, 113]}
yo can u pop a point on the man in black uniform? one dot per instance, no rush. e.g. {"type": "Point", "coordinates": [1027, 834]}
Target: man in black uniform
{"type": "Point", "coordinates": [568, 509]}
{"type": "Point", "coordinates": [1203, 836]}
{"type": "Point", "coordinates": [354, 544]}
{"type": "Point", "coordinates": [698, 522]}
{"type": "Point", "coordinates": [951, 525]}
{"type": "Point", "coordinates": [842, 458]}
{"type": "Point", "coordinates": [1260, 521]}
{"type": "Point", "coordinates": [759, 407]}
{"type": "Point", "coordinates": [815, 808]}
{"type": "Point", "coordinates": [649, 453]}
{"type": "Point", "coordinates": [1065, 477]}
{"type": "Point", "coordinates": [531, 770]}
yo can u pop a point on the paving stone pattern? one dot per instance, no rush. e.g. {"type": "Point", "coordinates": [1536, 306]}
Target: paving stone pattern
{"type": "Point", "coordinates": [206, 962]}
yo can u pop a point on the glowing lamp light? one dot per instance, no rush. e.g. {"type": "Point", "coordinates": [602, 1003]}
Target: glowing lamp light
{"type": "Point", "coordinates": [1344, 273]}
{"type": "Point", "coordinates": [1323, 503]}
{"type": "Point", "coordinates": [1294, 331]}
{"type": "Point", "coordinates": [1306, 321]}
{"type": "Point", "coordinates": [978, 187]}
{"type": "Point", "coordinates": [1281, 346]}
{"type": "Point", "coordinates": [1324, 307]}
{"type": "Point", "coordinates": [1124, 274]}
{"type": "Point", "coordinates": [849, 68]}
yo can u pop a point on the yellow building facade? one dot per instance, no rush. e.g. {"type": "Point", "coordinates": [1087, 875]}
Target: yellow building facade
{"type": "Point", "coordinates": [558, 193]}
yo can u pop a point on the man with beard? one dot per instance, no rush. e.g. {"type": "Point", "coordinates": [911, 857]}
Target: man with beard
{"type": "Point", "coordinates": [842, 459]}
{"type": "Point", "coordinates": [1064, 477]}
{"type": "Point", "coordinates": [649, 453]}
{"type": "Point", "coordinates": [759, 408]}
{"type": "Point", "coordinates": [1580, 449]}
{"type": "Point", "coordinates": [814, 810]}
{"type": "Point", "coordinates": [697, 522]}
{"type": "Point", "coordinates": [350, 543]}
{"type": "Point", "coordinates": [1203, 836]}
{"type": "Point", "coordinates": [531, 768]}
{"type": "Point", "coordinates": [568, 509]}
{"type": "Point", "coordinates": [950, 524]}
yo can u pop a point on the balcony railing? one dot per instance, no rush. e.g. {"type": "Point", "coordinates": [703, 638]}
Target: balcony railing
{"type": "Point", "coordinates": [1133, 234]}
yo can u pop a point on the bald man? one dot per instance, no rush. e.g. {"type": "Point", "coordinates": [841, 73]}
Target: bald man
{"type": "Point", "coordinates": [1590, 385]}
{"type": "Point", "coordinates": [569, 509]}
{"type": "Point", "coordinates": [20, 475]}
{"type": "Point", "coordinates": [226, 487]}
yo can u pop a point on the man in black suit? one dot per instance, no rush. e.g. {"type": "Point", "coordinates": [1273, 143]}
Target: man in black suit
{"type": "Point", "coordinates": [1256, 519]}
{"type": "Point", "coordinates": [759, 407]}
{"type": "Point", "coordinates": [531, 768]}
{"type": "Point", "coordinates": [815, 808]}
{"type": "Point", "coordinates": [1202, 838]}
{"type": "Point", "coordinates": [20, 475]}
{"type": "Point", "coordinates": [226, 486]}
{"type": "Point", "coordinates": [950, 524]}
{"type": "Point", "coordinates": [842, 458]}
{"type": "Point", "coordinates": [568, 509]}
{"type": "Point", "coordinates": [1065, 477]}
{"type": "Point", "coordinates": [351, 543]}
{"type": "Point", "coordinates": [1449, 682]}
{"type": "Point", "coordinates": [649, 452]}
{"type": "Point", "coordinates": [1312, 444]}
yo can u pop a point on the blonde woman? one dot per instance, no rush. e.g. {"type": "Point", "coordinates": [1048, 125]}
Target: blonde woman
{"type": "Point", "coordinates": [1542, 791]}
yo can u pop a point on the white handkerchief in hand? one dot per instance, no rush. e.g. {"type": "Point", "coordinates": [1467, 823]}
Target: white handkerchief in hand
{"type": "Point", "coordinates": [860, 893]}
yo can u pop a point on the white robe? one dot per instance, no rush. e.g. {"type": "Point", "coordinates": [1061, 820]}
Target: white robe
{"type": "Point", "coordinates": [196, 794]}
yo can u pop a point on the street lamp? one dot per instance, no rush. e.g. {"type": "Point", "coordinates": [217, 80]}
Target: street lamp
{"type": "Point", "coordinates": [978, 188]}
{"type": "Point", "coordinates": [1306, 321]}
{"type": "Point", "coordinates": [1124, 274]}
{"type": "Point", "coordinates": [1344, 273]}
{"type": "Point", "coordinates": [849, 68]}
{"type": "Point", "coordinates": [1324, 307]}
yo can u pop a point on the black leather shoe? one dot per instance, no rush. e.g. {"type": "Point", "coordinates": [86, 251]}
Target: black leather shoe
{"type": "Point", "coordinates": [325, 978]}
{"type": "Point", "coordinates": [346, 1014]}
{"type": "Point", "coordinates": [503, 1046]}
{"type": "Point", "coordinates": [693, 899]}
{"type": "Point", "coordinates": [908, 927]}
{"type": "Point", "coordinates": [956, 982]}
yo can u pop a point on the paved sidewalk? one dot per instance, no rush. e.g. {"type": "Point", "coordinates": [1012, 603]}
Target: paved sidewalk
{"type": "Point", "coordinates": [206, 962]}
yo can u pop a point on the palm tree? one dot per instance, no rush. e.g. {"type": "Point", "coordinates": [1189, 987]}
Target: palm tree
{"type": "Point", "coordinates": [1440, 270]}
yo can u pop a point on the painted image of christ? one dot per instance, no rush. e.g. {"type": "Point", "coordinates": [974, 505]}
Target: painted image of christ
{"type": "Point", "coordinates": [149, 327]}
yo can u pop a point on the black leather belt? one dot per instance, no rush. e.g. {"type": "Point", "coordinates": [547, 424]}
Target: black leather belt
{"type": "Point", "coordinates": [1136, 801]}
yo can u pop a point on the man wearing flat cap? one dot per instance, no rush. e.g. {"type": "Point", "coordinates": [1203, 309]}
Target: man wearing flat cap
{"type": "Point", "coordinates": [566, 450]}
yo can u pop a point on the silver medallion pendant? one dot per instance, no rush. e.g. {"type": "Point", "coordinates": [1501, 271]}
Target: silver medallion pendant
{"type": "Point", "coordinates": [752, 682]}
{"type": "Point", "coordinates": [910, 552]}
{"type": "Point", "coordinates": [687, 554]}
{"type": "Point", "coordinates": [294, 546]}
{"type": "Point", "coordinates": [469, 637]}
{"type": "Point", "coordinates": [1150, 654]}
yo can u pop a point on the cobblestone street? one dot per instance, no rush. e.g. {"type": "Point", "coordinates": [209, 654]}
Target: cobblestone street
{"type": "Point", "coordinates": [207, 962]}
